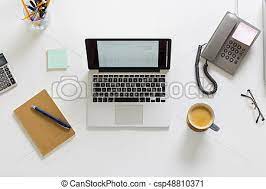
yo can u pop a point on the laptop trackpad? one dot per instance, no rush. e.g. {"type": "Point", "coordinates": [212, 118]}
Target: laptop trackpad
{"type": "Point", "coordinates": [129, 114]}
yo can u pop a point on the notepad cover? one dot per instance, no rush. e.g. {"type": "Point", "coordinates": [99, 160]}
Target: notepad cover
{"type": "Point", "coordinates": [44, 133]}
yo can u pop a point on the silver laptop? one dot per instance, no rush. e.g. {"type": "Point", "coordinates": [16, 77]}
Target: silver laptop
{"type": "Point", "coordinates": [264, 38]}
{"type": "Point", "coordinates": [127, 82]}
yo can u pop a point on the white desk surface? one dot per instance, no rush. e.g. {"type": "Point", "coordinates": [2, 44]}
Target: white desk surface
{"type": "Point", "coordinates": [237, 150]}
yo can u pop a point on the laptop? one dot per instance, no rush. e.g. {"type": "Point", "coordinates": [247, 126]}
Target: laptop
{"type": "Point", "coordinates": [264, 38]}
{"type": "Point", "coordinates": [127, 82]}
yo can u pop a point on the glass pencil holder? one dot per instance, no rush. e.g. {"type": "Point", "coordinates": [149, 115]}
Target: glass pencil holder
{"type": "Point", "coordinates": [34, 20]}
{"type": "Point", "coordinates": [38, 24]}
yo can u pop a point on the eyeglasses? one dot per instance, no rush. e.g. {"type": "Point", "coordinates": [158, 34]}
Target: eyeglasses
{"type": "Point", "coordinates": [256, 107]}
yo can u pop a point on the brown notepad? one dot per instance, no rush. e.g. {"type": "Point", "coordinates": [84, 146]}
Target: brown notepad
{"type": "Point", "coordinates": [45, 134]}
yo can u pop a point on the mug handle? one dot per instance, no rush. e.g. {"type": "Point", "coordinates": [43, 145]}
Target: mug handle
{"type": "Point", "coordinates": [214, 127]}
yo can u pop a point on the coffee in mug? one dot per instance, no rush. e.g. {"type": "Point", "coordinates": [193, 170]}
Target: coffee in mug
{"type": "Point", "coordinates": [200, 117]}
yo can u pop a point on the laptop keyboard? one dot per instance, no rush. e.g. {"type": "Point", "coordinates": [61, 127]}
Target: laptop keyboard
{"type": "Point", "coordinates": [129, 88]}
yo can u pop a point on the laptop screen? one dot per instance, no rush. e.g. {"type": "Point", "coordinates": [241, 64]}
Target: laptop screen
{"type": "Point", "coordinates": [128, 54]}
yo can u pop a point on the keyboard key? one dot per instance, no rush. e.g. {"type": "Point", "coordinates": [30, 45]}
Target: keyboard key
{"type": "Point", "coordinates": [97, 89]}
{"type": "Point", "coordinates": [126, 100]}
{"type": "Point", "coordinates": [142, 99]}
{"type": "Point", "coordinates": [96, 85]}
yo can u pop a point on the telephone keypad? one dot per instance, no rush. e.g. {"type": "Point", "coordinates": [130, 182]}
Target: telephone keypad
{"type": "Point", "coordinates": [232, 52]}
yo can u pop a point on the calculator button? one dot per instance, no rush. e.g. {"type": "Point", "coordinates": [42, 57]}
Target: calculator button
{"type": "Point", "coordinates": [236, 62]}
{"type": "Point", "coordinates": [227, 57]}
{"type": "Point", "coordinates": [231, 60]}
{"type": "Point", "coordinates": [225, 50]}
{"type": "Point", "coordinates": [239, 47]}
{"type": "Point", "coordinates": [13, 81]}
{"type": "Point", "coordinates": [230, 42]}
{"type": "Point", "coordinates": [236, 51]}
{"type": "Point", "coordinates": [235, 44]}
{"type": "Point", "coordinates": [222, 55]}
{"type": "Point", "coordinates": [234, 55]}
{"type": "Point", "coordinates": [228, 46]}
{"type": "Point", "coordinates": [230, 53]}
{"type": "Point", "coordinates": [232, 49]}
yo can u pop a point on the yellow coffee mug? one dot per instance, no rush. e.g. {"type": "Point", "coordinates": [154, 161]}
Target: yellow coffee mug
{"type": "Point", "coordinates": [200, 117]}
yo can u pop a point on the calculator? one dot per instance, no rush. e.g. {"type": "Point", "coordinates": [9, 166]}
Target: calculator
{"type": "Point", "coordinates": [7, 80]}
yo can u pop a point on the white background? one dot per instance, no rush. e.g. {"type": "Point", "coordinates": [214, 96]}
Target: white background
{"type": "Point", "coordinates": [237, 150]}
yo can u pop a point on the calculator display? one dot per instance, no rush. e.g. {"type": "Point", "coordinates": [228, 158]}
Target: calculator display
{"type": "Point", "coordinates": [2, 60]}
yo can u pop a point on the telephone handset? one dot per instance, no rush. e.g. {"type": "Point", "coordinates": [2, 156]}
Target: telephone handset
{"type": "Point", "coordinates": [227, 47]}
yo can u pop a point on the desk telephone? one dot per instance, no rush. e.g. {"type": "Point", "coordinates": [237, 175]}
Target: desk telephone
{"type": "Point", "coordinates": [227, 47]}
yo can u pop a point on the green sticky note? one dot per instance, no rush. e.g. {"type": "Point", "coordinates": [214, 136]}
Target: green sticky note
{"type": "Point", "coordinates": [57, 59]}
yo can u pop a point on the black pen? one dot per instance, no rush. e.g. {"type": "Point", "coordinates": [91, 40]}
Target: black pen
{"type": "Point", "coordinates": [56, 120]}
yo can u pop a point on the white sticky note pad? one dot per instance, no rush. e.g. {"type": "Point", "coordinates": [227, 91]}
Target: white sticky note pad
{"type": "Point", "coordinates": [245, 34]}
